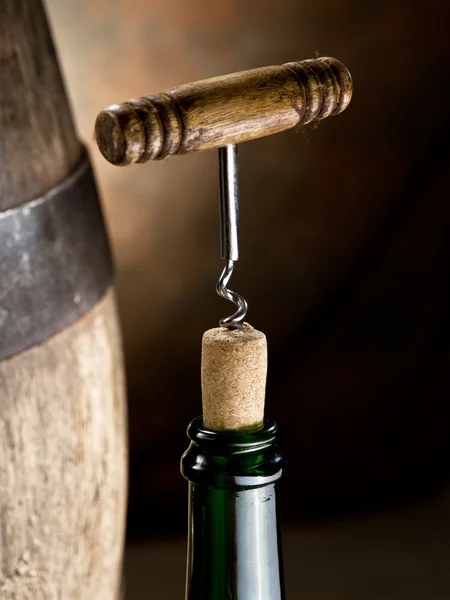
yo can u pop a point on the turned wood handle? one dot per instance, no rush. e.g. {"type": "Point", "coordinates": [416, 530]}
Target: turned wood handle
{"type": "Point", "coordinates": [223, 110]}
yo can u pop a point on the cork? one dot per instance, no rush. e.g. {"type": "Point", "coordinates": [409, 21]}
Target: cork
{"type": "Point", "coordinates": [234, 371]}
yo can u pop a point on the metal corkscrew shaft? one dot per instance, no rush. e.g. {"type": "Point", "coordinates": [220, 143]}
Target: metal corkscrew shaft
{"type": "Point", "coordinates": [224, 110]}
{"type": "Point", "coordinates": [229, 226]}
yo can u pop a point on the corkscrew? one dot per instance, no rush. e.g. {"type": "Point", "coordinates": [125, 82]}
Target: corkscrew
{"type": "Point", "coordinates": [220, 113]}
{"type": "Point", "coordinates": [232, 463]}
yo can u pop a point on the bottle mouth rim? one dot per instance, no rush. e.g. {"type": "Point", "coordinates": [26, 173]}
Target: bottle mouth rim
{"type": "Point", "coordinates": [242, 439]}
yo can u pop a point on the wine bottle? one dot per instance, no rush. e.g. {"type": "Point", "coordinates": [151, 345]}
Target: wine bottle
{"type": "Point", "coordinates": [234, 549]}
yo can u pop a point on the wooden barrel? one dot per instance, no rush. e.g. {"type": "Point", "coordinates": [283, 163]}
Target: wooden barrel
{"type": "Point", "coordinates": [62, 405]}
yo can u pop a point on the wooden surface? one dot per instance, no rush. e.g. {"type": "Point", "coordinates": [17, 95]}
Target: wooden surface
{"type": "Point", "coordinates": [38, 145]}
{"type": "Point", "coordinates": [228, 109]}
{"type": "Point", "coordinates": [63, 456]}
{"type": "Point", "coordinates": [63, 453]}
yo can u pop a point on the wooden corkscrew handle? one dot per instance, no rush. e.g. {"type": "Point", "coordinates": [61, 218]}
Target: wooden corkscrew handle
{"type": "Point", "coordinates": [229, 109]}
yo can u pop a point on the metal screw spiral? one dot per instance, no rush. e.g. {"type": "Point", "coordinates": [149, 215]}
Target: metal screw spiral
{"type": "Point", "coordinates": [235, 320]}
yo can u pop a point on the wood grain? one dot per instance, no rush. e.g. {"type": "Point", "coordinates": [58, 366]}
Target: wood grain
{"type": "Point", "coordinates": [229, 109]}
{"type": "Point", "coordinates": [63, 456]}
{"type": "Point", "coordinates": [38, 145]}
{"type": "Point", "coordinates": [63, 453]}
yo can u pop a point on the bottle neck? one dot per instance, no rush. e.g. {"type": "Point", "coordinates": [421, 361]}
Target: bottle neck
{"type": "Point", "coordinates": [234, 550]}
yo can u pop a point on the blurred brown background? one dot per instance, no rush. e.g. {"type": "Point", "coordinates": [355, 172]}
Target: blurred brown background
{"type": "Point", "coordinates": [344, 243]}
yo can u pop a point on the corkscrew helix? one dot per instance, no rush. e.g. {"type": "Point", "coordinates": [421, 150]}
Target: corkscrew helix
{"type": "Point", "coordinates": [220, 113]}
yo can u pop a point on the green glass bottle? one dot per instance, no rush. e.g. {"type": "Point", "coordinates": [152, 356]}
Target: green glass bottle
{"type": "Point", "coordinates": [234, 549]}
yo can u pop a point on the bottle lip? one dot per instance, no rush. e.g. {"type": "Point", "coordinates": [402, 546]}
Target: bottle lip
{"type": "Point", "coordinates": [232, 459]}
{"type": "Point", "coordinates": [244, 439]}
